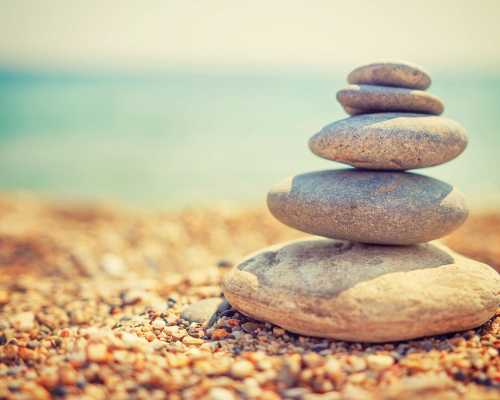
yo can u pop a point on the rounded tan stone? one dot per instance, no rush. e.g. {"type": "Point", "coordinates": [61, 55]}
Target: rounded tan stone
{"type": "Point", "coordinates": [390, 141]}
{"type": "Point", "coordinates": [369, 293]}
{"type": "Point", "coordinates": [359, 99]}
{"type": "Point", "coordinates": [366, 206]}
{"type": "Point", "coordinates": [391, 73]}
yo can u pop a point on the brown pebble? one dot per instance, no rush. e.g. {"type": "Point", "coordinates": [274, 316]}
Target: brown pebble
{"type": "Point", "coordinates": [391, 73]}
{"type": "Point", "coordinates": [362, 99]}
{"type": "Point", "coordinates": [218, 334]}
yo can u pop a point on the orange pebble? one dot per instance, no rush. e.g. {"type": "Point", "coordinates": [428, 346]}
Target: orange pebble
{"type": "Point", "coordinates": [219, 334]}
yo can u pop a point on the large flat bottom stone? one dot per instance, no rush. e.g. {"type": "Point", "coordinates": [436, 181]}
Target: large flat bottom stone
{"type": "Point", "coordinates": [361, 292]}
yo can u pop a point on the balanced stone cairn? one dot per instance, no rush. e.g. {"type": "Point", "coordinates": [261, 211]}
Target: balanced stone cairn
{"type": "Point", "coordinates": [373, 279]}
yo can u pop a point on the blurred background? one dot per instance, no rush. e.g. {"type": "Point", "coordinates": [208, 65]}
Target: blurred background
{"type": "Point", "coordinates": [180, 103]}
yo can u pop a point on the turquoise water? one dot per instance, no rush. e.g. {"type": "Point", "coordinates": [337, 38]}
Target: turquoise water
{"type": "Point", "coordinates": [183, 139]}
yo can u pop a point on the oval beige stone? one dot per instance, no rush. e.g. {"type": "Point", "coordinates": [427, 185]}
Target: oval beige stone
{"type": "Point", "coordinates": [362, 99]}
{"type": "Point", "coordinates": [366, 206]}
{"type": "Point", "coordinates": [391, 73]}
{"type": "Point", "coordinates": [390, 141]}
{"type": "Point", "coordinates": [369, 293]}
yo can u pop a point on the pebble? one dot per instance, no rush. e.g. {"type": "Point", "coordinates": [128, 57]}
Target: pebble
{"type": "Point", "coordinates": [220, 394]}
{"type": "Point", "coordinates": [203, 310]}
{"type": "Point", "coordinates": [356, 363]}
{"type": "Point", "coordinates": [278, 331]}
{"type": "Point", "coordinates": [390, 141]}
{"type": "Point", "coordinates": [159, 323]}
{"type": "Point", "coordinates": [113, 265]}
{"type": "Point", "coordinates": [361, 99]}
{"type": "Point", "coordinates": [24, 321]}
{"type": "Point", "coordinates": [352, 392]}
{"type": "Point", "coordinates": [175, 331]}
{"type": "Point", "coordinates": [251, 327]}
{"type": "Point", "coordinates": [379, 362]}
{"type": "Point", "coordinates": [242, 369]}
{"type": "Point", "coordinates": [295, 393]}
{"type": "Point", "coordinates": [333, 368]}
{"type": "Point", "coordinates": [190, 340]}
{"type": "Point", "coordinates": [391, 73]}
{"type": "Point", "coordinates": [372, 293]}
{"type": "Point", "coordinates": [97, 352]}
{"type": "Point", "coordinates": [4, 297]}
{"type": "Point", "coordinates": [368, 206]}
{"type": "Point", "coordinates": [219, 334]}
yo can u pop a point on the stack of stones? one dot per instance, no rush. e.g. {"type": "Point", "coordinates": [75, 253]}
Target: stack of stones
{"type": "Point", "coordinates": [374, 278]}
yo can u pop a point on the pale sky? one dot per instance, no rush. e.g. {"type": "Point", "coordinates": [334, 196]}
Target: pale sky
{"type": "Point", "coordinates": [156, 34]}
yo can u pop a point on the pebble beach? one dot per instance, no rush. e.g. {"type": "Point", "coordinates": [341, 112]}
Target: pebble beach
{"type": "Point", "coordinates": [91, 297]}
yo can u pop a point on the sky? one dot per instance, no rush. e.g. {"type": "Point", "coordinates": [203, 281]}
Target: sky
{"type": "Point", "coordinates": [268, 34]}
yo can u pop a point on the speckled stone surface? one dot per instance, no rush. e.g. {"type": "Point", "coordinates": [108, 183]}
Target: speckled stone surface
{"type": "Point", "coordinates": [392, 141]}
{"type": "Point", "coordinates": [391, 73]}
{"type": "Point", "coordinates": [357, 99]}
{"type": "Point", "coordinates": [368, 293]}
{"type": "Point", "coordinates": [368, 206]}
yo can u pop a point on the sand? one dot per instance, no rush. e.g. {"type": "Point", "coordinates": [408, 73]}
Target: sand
{"type": "Point", "coordinates": [90, 302]}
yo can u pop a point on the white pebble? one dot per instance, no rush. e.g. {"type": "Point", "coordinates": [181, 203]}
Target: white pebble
{"type": "Point", "coordinates": [379, 362]}
{"type": "Point", "coordinates": [159, 323]}
{"type": "Point", "coordinates": [220, 394]}
{"type": "Point", "coordinates": [242, 369]}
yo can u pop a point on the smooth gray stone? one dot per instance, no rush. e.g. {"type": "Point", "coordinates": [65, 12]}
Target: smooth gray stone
{"type": "Point", "coordinates": [204, 310]}
{"type": "Point", "coordinates": [391, 73]}
{"type": "Point", "coordinates": [391, 141]}
{"type": "Point", "coordinates": [367, 206]}
{"type": "Point", "coordinates": [362, 99]}
{"type": "Point", "coordinates": [359, 292]}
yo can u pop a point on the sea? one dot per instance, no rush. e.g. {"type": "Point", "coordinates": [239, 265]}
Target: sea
{"type": "Point", "coordinates": [176, 139]}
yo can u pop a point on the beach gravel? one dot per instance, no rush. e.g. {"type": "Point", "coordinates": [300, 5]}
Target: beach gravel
{"type": "Point", "coordinates": [83, 289]}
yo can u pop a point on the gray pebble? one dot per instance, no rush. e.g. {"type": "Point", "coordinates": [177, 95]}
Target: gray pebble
{"type": "Point", "coordinates": [392, 141]}
{"type": "Point", "coordinates": [367, 206]}
{"type": "Point", "coordinates": [203, 310]}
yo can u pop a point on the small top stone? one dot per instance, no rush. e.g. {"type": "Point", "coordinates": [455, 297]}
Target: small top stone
{"type": "Point", "coordinates": [391, 73]}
